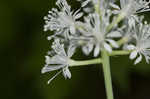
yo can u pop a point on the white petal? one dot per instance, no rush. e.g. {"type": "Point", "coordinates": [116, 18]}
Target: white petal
{"type": "Point", "coordinates": [85, 50]}
{"type": "Point", "coordinates": [90, 47]}
{"type": "Point", "coordinates": [124, 3]}
{"type": "Point", "coordinates": [108, 47]}
{"type": "Point", "coordinates": [131, 22]}
{"type": "Point", "coordinates": [130, 47]}
{"type": "Point", "coordinates": [115, 11]}
{"type": "Point", "coordinates": [79, 23]}
{"type": "Point", "coordinates": [72, 29]}
{"type": "Point", "coordinates": [147, 56]}
{"type": "Point", "coordinates": [138, 60]}
{"type": "Point", "coordinates": [51, 68]}
{"type": "Point", "coordinates": [133, 55]}
{"type": "Point", "coordinates": [96, 50]}
{"type": "Point", "coordinates": [85, 3]}
{"type": "Point", "coordinates": [147, 59]}
{"type": "Point", "coordinates": [66, 73]}
{"type": "Point", "coordinates": [87, 10]}
{"type": "Point", "coordinates": [115, 34]}
{"type": "Point", "coordinates": [49, 38]}
{"type": "Point", "coordinates": [114, 6]}
{"type": "Point", "coordinates": [79, 15]}
{"type": "Point", "coordinates": [113, 43]}
{"type": "Point", "coordinates": [47, 60]}
{"type": "Point", "coordinates": [71, 50]}
{"type": "Point", "coordinates": [58, 48]}
{"type": "Point", "coordinates": [57, 59]}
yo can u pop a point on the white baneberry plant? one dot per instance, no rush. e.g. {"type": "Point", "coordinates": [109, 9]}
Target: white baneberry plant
{"type": "Point", "coordinates": [98, 26]}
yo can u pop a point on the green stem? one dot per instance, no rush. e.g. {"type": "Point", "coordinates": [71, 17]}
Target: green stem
{"type": "Point", "coordinates": [85, 62]}
{"type": "Point", "coordinates": [119, 52]}
{"type": "Point", "coordinates": [107, 74]}
{"type": "Point", "coordinates": [118, 19]}
{"type": "Point", "coordinates": [97, 10]}
{"type": "Point", "coordinates": [97, 60]}
{"type": "Point", "coordinates": [122, 41]}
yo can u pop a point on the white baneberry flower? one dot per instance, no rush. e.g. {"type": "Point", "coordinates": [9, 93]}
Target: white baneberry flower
{"type": "Point", "coordinates": [96, 31]}
{"type": "Point", "coordinates": [60, 61]}
{"type": "Point", "coordinates": [63, 21]}
{"type": "Point", "coordinates": [142, 47]}
{"type": "Point", "coordinates": [101, 4]}
{"type": "Point", "coordinates": [131, 22]}
{"type": "Point", "coordinates": [130, 7]}
{"type": "Point", "coordinates": [128, 30]}
{"type": "Point", "coordinates": [85, 2]}
{"type": "Point", "coordinates": [137, 6]}
{"type": "Point", "coordinates": [85, 43]}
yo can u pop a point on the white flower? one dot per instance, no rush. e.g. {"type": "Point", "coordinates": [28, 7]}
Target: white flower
{"type": "Point", "coordinates": [101, 2]}
{"type": "Point", "coordinates": [96, 31]}
{"type": "Point", "coordinates": [89, 5]}
{"type": "Point", "coordinates": [137, 6]}
{"type": "Point", "coordinates": [86, 43]}
{"type": "Point", "coordinates": [59, 61]}
{"type": "Point", "coordinates": [63, 21]}
{"type": "Point", "coordinates": [130, 7]}
{"type": "Point", "coordinates": [142, 47]}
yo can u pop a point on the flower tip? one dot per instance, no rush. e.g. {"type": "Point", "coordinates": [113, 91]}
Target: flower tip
{"type": "Point", "coordinates": [47, 59]}
{"type": "Point", "coordinates": [108, 47]}
{"type": "Point", "coordinates": [133, 55]}
{"type": "Point", "coordinates": [66, 73]}
{"type": "Point", "coordinates": [138, 60]}
{"type": "Point", "coordinates": [48, 82]}
{"type": "Point", "coordinates": [43, 70]}
{"type": "Point", "coordinates": [49, 38]}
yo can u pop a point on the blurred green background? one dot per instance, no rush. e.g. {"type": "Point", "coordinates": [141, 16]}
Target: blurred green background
{"type": "Point", "coordinates": [23, 46]}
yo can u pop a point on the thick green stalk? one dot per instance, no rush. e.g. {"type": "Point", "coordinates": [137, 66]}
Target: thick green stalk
{"type": "Point", "coordinates": [107, 74]}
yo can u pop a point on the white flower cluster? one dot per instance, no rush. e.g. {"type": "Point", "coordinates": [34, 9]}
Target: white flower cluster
{"type": "Point", "coordinates": [59, 61]}
{"type": "Point", "coordinates": [142, 43]}
{"type": "Point", "coordinates": [94, 32]}
{"type": "Point", "coordinates": [131, 7]}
